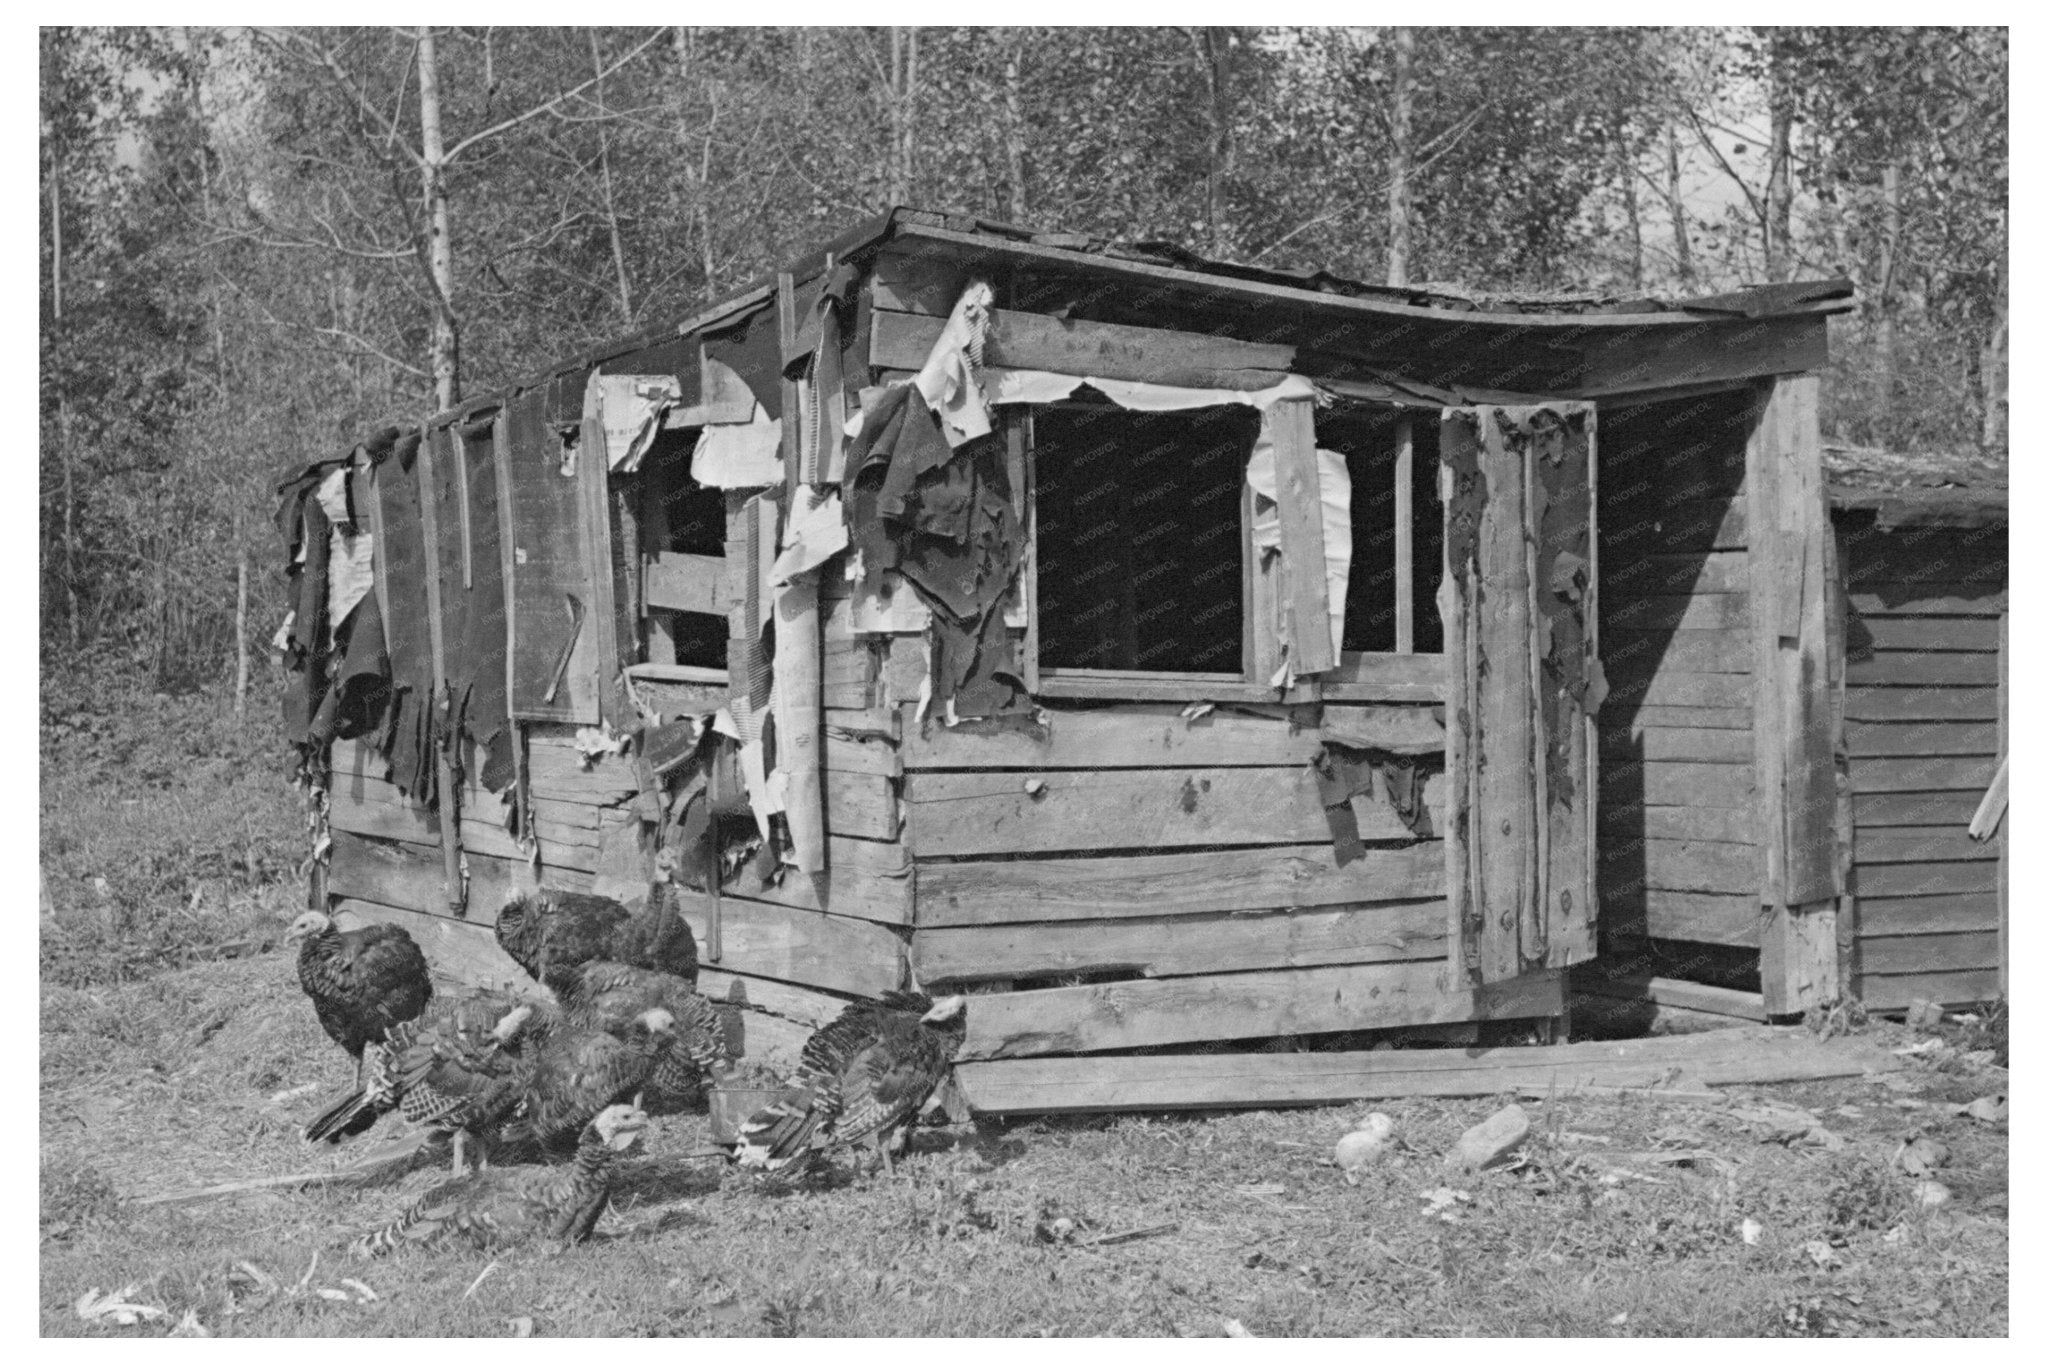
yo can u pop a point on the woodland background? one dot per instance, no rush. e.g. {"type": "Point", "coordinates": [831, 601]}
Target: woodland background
{"type": "Point", "coordinates": [257, 245]}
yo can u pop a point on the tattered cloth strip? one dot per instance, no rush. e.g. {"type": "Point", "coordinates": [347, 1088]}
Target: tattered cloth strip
{"type": "Point", "coordinates": [410, 735]}
{"type": "Point", "coordinates": [950, 381]}
{"type": "Point", "coordinates": [306, 644]}
{"type": "Point", "coordinates": [740, 455]}
{"type": "Point", "coordinates": [751, 347]}
{"type": "Point", "coordinates": [816, 531]}
{"type": "Point", "coordinates": [946, 521]}
{"type": "Point", "coordinates": [630, 408]}
{"type": "Point", "coordinates": [1344, 775]}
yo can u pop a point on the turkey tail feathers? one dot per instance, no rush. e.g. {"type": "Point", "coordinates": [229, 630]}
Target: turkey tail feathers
{"type": "Point", "coordinates": [779, 1134]}
{"type": "Point", "coordinates": [351, 1115]}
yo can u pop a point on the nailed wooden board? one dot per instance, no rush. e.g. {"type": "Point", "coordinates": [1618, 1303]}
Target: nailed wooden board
{"type": "Point", "coordinates": [1676, 575]}
{"type": "Point", "coordinates": [797, 1003]}
{"type": "Point", "coordinates": [1742, 1055]}
{"type": "Point", "coordinates": [409, 876]}
{"type": "Point", "coordinates": [803, 947]}
{"type": "Point", "coordinates": [1675, 864]}
{"type": "Point", "coordinates": [1918, 843]}
{"type": "Point", "coordinates": [1289, 428]}
{"type": "Point", "coordinates": [1640, 526]}
{"type": "Point", "coordinates": [556, 771]}
{"type": "Point", "coordinates": [1902, 879]}
{"type": "Point", "coordinates": [1911, 668]}
{"type": "Point", "coordinates": [1883, 809]}
{"type": "Point", "coordinates": [1926, 952]}
{"type": "Point", "coordinates": [1700, 916]}
{"type": "Point", "coordinates": [1966, 634]}
{"type": "Point", "coordinates": [1390, 729]}
{"type": "Point", "coordinates": [1932, 703]}
{"type": "Point", "coordinates": [1699, 611]}
{"type": "Point", "coordinates": [1143, 735]}
{"type": "Point", "coordinates": [1386, 677]}
{"type": "Point", "coordinates": [1947, 988]}
{"type": "Point", "coordinates": [1927, 914]}
{"type": "Point", "coordinates": [407, 823]}
{"type": "Point", "coordinates": [1941, 740]}
{"type": "Point", "coordinates": [1243, 1004]}
{"type": "Point", "coordinates": [1679, 745]}
{"type": "Point", "coordinates": [1184, 945]}
{"type": "Point", "coordinates": [1701, 823]}
{"type": "Point", "coordinates": [1692, 651]}
{"type": "Point", "coordinates": [1725, 786]}
{"type": "Point", "coordinates": [687, 582]}
{"type": "Point", "coordinates": [866, 755]}
{"type": "Point", "coordinates": [1652, 685]}
{"type": "Point", "coordinates": [1921, 774]}
{"type": "Point", "coordinates": [863, 879]}
{"type": "Point", "coordinates": [1919, 600]}
{"type": "Point", "coordinates": [961, 894]}
{"type": "Point", "coordinates": [859, 805]}
{"type": "Point", "coordinates": [963, 814]}
{"type": "Point", "coordinates": [1034, 341]}
{"type": "Point", "coordinates": [457, 951]}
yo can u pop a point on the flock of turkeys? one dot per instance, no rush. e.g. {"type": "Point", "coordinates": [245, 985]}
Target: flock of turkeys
{"type": "Point", "coordinates": [555, 1083]}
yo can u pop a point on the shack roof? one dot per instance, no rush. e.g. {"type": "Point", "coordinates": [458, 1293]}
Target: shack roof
{"type": "Point", "coordinates": [1917, 488]}
{"type": "Point", "coordinates": [1441, 342]}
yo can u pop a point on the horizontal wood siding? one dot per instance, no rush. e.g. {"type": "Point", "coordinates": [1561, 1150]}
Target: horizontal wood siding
{"type": "Point", "coordinates": [1677, 831]}
{"type": "Point", "coordinates": [1922, 713]}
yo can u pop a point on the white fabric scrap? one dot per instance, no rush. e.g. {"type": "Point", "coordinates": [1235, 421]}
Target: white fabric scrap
{"type": "Point", "coordinates": [351, 572]}
{"type": "Point", "coordinates": [332, 495]}
{"type": "Point", "coordinates": [816, 531]}
{"type": "Point", "coordinates": [1333, 478]}
{"type": "Point", "coordinates": [740, 455]}
{"type": "Point", "coordinates": [950, 380]}
{"type": "Point", "coordinates": [1001, 386]}
{"type": "Point", "coordinates": [887, 605]}
{"type": "Point", "coordinates": [760, 797]}
{"type": "Point", "coordinates": [630, 407]}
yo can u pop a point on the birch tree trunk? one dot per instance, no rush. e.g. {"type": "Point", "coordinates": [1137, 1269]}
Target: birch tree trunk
{"type": "Point", "coordinates": [1217, 45]}
{"type": "Point", "coordinates": [1400, 210]}
{"type": "Point", "coordinates": [1013, 125]}
{"type": "Point", "coordinates": [1631, 206]}
{"type": "Point", "coordinates": [444, 344]}
{"type": "Point", "coordinates": [902, 113]}
{"type": "Point", "coordinates": [1887, 308]}
{"type": "Point", "coordinates": [1674, 196]}
{"type": "Point", "coordinates": [1778, 192]}
{"type": "Point", "coordinates": [604, 169]}
{"type": "Point", "coordinates": [1992, 366]}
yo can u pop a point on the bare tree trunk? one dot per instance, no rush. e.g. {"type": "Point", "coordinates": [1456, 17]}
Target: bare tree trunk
{"type": "Point", "coordinates": [1013, 124]}
{"type": "Point", "coordinates": [1401, 151]}
{"type": "Point", "coordinates": [444, 345]}
{"type": "Point", "coordinates": [1887, 308]}
{"type": "Point", "coordinates": [604, 166]}
{"type": "Point", "coordinates": [71, 619]}
{"type": "Point", "coordinates": [1674, 194]}
{"type": "Point", "coordinates": [1631, 207]}
{"type": "Point", "coordinates": [1217, 48]}
{"type": "Point", "coordinates": [1991, 367]}
{"type": "Point", "coordinates": [1778, 192]}
{"type": "Point", "coordinates": [241, 618]}
{"type": "Point", "coordinates": [902, 113]}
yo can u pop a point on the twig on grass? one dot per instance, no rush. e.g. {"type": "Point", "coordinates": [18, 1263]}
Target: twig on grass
{"type": "Point", "coordinates": [478, 1280]}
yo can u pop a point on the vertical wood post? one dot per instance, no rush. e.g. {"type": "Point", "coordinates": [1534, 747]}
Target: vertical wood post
{"type": "Point", "coordinates": [450, 792]}
{"type": "Point", "coordinates": [593, 479]}
{"type": "Point", "coordinates": [1795, 765]}
{"type": "Point", "coordinates": [1290, 426]}
{"type": "Point", "coordinates": [1404, 536]}
{"type": "Point", "coordinates": [508, 559]}
{"type": "Point", "coordinates": [2004, 824]}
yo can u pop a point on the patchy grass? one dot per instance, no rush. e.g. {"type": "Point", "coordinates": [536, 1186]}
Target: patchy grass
{"type": "Point", "coordinates": [1624, 1219]}
{"type": "Point", "coordinates": [169, 833]}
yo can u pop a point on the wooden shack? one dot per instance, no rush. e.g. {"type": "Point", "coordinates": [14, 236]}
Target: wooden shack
{"type": "Point", "coordinates": [1186, 659]}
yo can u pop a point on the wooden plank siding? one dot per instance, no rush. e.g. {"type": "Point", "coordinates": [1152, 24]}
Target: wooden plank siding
{"type": "Point", "coordinates": [1922, 712]}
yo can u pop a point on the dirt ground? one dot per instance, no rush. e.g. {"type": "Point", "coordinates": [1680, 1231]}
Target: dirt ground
{"type": "Point", "coordinates": [1770, 1210]}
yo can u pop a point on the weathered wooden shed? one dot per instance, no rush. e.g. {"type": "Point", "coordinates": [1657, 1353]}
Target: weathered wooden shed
{"type": "Point", "coordinates": [1180, 656]}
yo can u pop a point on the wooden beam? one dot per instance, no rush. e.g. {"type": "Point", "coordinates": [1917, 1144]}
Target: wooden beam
{"type": "Point", "coordinates": [863, 879]}
{"type": "Point", "coordinates": [1386, 677]}
{"type": "Point", "coordinates": [1677, 994]}
{"type": "Point", "coordinates": [397, 873]}
{"type": "Point", "coordinates": [2004, 756]}
{"type": "Point", "coordinates": [1291, 429]}
{"type": "Point", "coordinates": [802, 947]}
{"type": "Point", "coordinates": [1404, 535]}
{"type": "Point", "coordinates": [1183, 945]}
{"type": "Point", "coordinates": [1389, 729]}
{"type": "Point", "coordinates": [1077, 1084]}
{"type": "Point", "coordinates": [1096, 349]}
{"type": "Point", "coordinates": [1660, 356]}
{"type": "Point", "coordinates": [1070, 889]}
{"type": "Point", "coordinates": [593, 483]}
{"type": "Point", "coordinates": [962, 814]}
{"type": "Point", "coordinates": [1507, 815]}
{"type": "Point", "coordinates": [1139, 735]}
{"type": "Point", "coordinates": [687, 582]}
{"type": "Point", "coordinates": [1148, 1013]}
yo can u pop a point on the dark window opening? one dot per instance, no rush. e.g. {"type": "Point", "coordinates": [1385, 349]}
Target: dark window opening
{"type": "Point", "coordinates": [1365, 436]}
{"type": "Point", "coordinates": [1140, 537]}
{"type": "Point", "coordinates": [678, 515]}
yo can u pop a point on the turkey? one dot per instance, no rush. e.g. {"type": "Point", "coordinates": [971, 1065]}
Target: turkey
{"type": "Point", "coordinates": [861, 1079]}
{"type": "Point", "coordinates": [552, 932]}
{"type": "Point", "coordinates": [581, 1071]}
{"type": "Point", "coordinates": [608, 995]}
{"type": "Point", "coordinates": [461, 1069]}
{"type": "Point", "coordinates": [492, 1209]}
{"type": "Point", "coordinates": [361, 982]}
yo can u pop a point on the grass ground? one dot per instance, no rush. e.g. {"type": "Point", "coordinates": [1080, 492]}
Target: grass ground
{"type": "Point", "coordinates": [1626, 1218]}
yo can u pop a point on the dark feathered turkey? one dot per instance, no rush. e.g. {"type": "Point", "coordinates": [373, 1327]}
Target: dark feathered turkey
{"type": "Point", "coordinates": [860, 1080]}
{"type": "Point", "coordinates": [361, 982]}
{"type": "Point", "coordinates": [495, 1208]}
{"type": "Point", "coordinates": [581, 1071]}
{"type": "Point", "coordinates": [609, 995]}
{"type": "Point", "coordinates": [461, 1068]}
{"type": "Point", "coordinates": [553, 932]}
